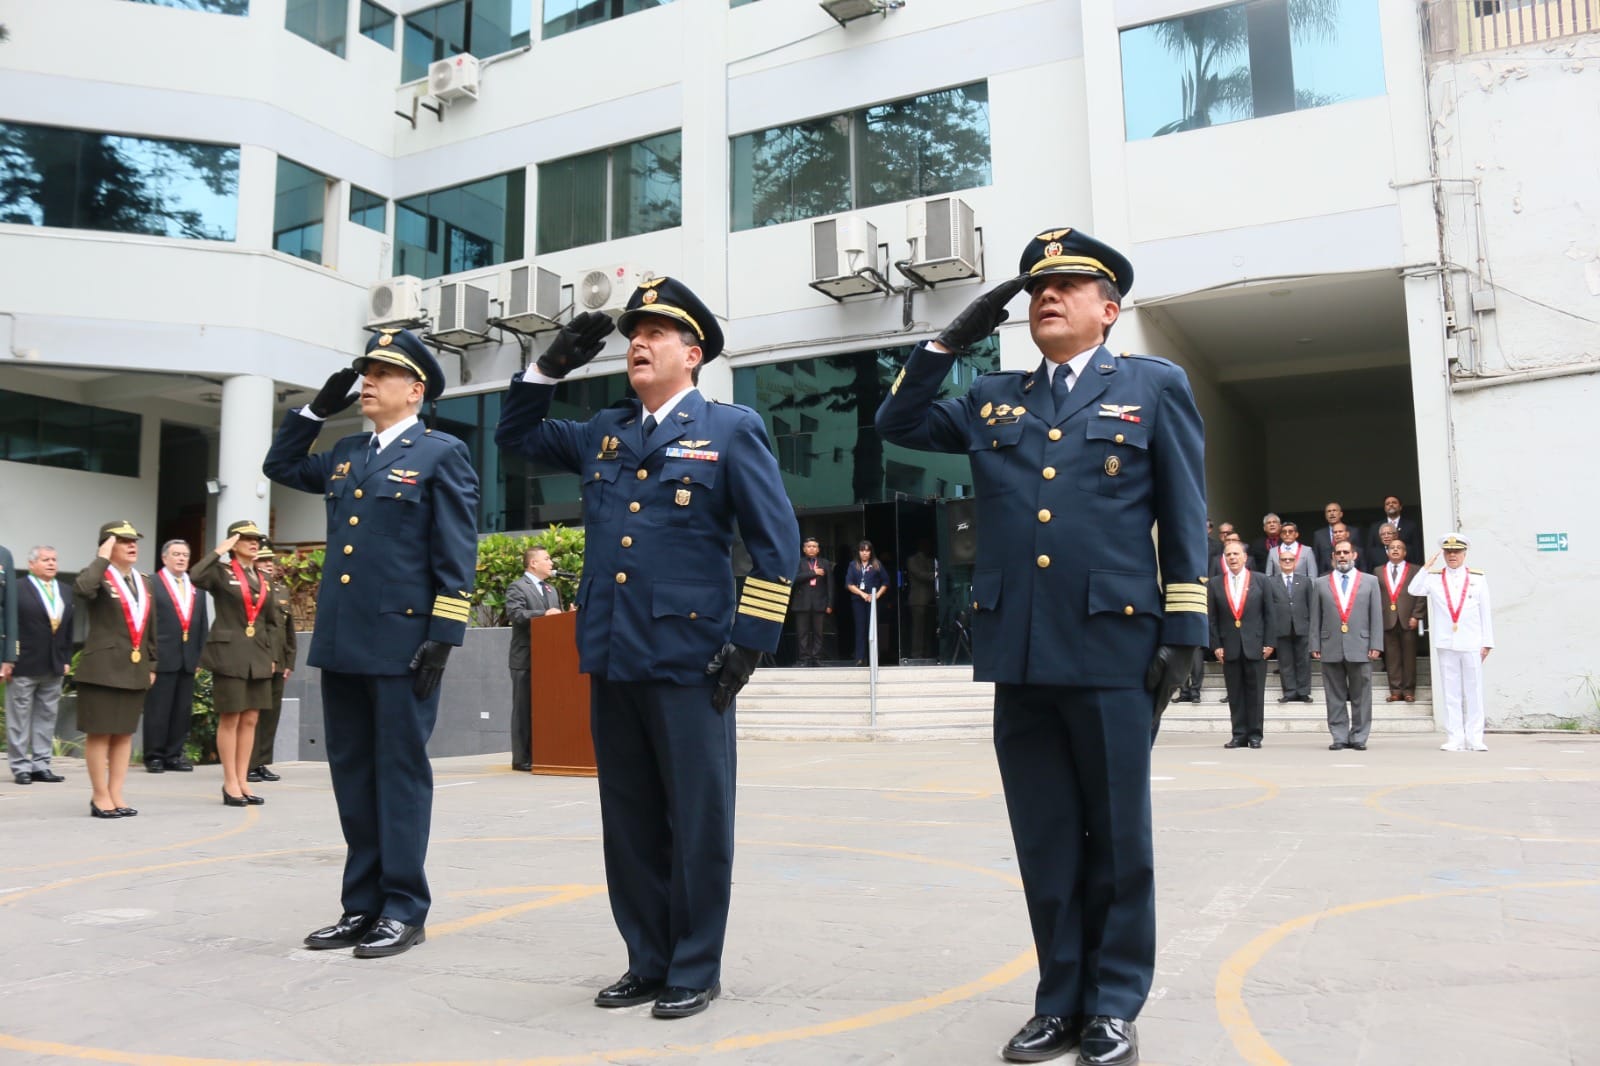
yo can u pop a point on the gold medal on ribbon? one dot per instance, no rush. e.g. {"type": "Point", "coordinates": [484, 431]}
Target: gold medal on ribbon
{"type": "Point", "coordinates": [1237, 624]}
{"type": "Point", "coordinates": [249, 631]}
{"type": "Point", "coordinates": [1344, 627]}
{"type": "Point", "coordinates": [55, 624]}
{"type": "Point", "coordinates": [186, 636]}
{"type": "Point", "coordinates": [135, 656]}
{"type": "Point", "coordinates": [1392, 607]}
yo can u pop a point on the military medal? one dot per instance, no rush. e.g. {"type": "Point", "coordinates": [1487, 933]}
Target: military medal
{"type": "Point", "coordinates": [52, 602]}
{"type": "Point", "coordinates": [1347, 602]}
{"type": "Point", "coordinates": [251, 610]}
{"type": "Point", "coordinates": [184, 605]}
{"type": "Point", "coordinates": [135, 626]}
{"type": "Point", "coordinates": [134, 655]}
{"type": "Point", "coordinates": [1237, 606]}
{"type": "Point", "coordinates": [1455, 608]}
{"type": "Point", "coordinates": [1392, 589]}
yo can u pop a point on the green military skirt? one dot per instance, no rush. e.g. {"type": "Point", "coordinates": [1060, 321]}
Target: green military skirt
{"type": "Point", "coordinates": [102, 709]}
{"type": "Point", "coordinates": [230, 695]}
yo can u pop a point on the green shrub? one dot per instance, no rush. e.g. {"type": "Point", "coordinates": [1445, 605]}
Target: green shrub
{"type": "Point", "coordinates": [202, 746]}
{"type": "Point", "coordinates": [500, 563]}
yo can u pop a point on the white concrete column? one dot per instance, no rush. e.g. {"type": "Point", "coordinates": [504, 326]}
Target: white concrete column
{"type": "Point", "coordinates": [705, 174]}
{"type": "Point", "coordinates": [242, 440]}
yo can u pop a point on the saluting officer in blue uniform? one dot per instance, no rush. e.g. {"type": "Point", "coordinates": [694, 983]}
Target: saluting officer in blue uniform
{"type": "Point", "coordinates": [1073, 463]}
{"type": "Point", "coordinates": [666, 638]}
{"type": "Point", "coordinates": [402, 550]}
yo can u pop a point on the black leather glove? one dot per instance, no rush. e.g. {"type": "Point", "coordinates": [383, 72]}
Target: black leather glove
{"type": "Point", "coordinates": [428, 666]}
{"type": "Point", "coordinates": [732, 667]}
{"type": "Point", "coordinates": [335, 395]}
{"type": "Point", "coordinates": [578, 342]}
{"type": "Point", "coordinates": [982, 316]}
{"type": "Point", "coordinates": [1168, 670]}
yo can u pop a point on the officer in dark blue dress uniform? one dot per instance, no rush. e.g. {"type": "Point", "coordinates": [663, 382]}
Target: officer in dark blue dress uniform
{"type": "Point", "coordinates": [1073, 463]}
{"type": "Point", "coordinates": [402, 551]}
{"type": "Point", "coordinates": [663, 633]}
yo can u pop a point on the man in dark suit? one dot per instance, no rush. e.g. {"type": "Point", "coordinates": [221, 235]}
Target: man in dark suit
{"type": "Point", "coordinates": [1402, 612]}
{"type": "Point", "coordinates": [185, 621]}
{"type": "Point", "coordinates": [1075, 460]}
{"type": "Point", "coordinates": [1405, 528]}
{"type": "Point", "coordinates": [43, 634]}
{"type": "Point", "coordinates": [396, 593]}
{"type": "Point", "coordinates": [812, 602]}
{"type": "Point", "coordinates": [1322, 539]}
{"type": "Point", "coordinates": [1341, 535]}
{"type": "Point", "coordinates": [1293, 644]}
{"type": "Point", "coordinates": [1347, 636]}
{"type": "Point", "coordinates": [1264, 551]}
{"type": "Point", "coordinates": [664, 638]}
{"type": "Point", "coordinates": [1244, 618]}
{"type": "Point", "coordinates": [528, 597]}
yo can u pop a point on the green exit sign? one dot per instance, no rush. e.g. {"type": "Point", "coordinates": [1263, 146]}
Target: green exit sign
{"type": "Point", "coordinates": [1551, 542]}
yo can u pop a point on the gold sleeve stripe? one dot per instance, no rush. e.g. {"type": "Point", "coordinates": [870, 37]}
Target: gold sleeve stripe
{"type": "Point", "coordinates": [1186, 586]}
{"type": "Point", "coordinates": [780, 588]}
{"type": "Point", "coordinates": [1185, 608]}
{"type": "Point", "coordinates": [451, 608]}
{"type": "Point", "coordinates": [1186, 597]}
{"type": "Point", "coordinates": [776, 599]}
{"type": "Point", "coordinates": [765, 616]}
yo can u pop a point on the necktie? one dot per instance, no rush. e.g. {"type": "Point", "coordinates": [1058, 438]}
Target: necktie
{"type": "Point", "coordinates": [1060, 385]}
{"type": "Point", "coordinates": [649, 425]}
{"type": "Point", "coordinates": [1344, 581]}
{"type": "Point", "coordinates": [1288, 585]}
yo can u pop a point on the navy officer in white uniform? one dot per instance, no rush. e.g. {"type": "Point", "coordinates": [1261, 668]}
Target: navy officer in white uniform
{"type": "Point", "coordinates": [664, 634]}
{"type": "Point", "coordinates": [1074, 463]}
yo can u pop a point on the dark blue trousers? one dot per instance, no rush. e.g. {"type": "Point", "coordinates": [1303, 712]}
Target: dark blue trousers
{"type": "Point", "coordinates": [666, 761]}
{"type": "Point", "coordinates": [377, 734]}
{"type": "Point", "coordinates": [1075, 763]}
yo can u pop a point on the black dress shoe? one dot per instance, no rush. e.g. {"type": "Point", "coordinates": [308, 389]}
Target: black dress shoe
{"type": "Point", "coordinates": [345, 933]}
{"type": "Point", "coordinates": [1336, 746]}
{"type": "Point", "coordinates": [522, 767]}
{"type": "Point", "coordinates": [254, 776]}
{"type": "Point", "coordinates": [128, 812]}
{"type": "Point", "coordinates": [1044, 1037]}
{"type": "Point", "coordinates": [1306, 699]}
{"type": "Point", "coordinates": [24, 778]}
{"type": "Point", "coordinates": [96, 812]}
{"type": "Point", "coordinates": [1109, 1042]}
{"type": "Point", "coordinates": [1234, 743]}
{"type": "Point", "coordinates": [233, 801]}
{"type": "Point", "coordinates": [1285, 699]}
{"type": "Point", "coordinates": [629, 990]}
{"type": "Point", "coordinates": [1254, 743]}
{"type": "Point", "coordinates": [182, 766]}
{"type": "Point", "coordinates": [679, 1002]}
{"type": "Point", "coordinates": [155, 766]}
{"type": "Point", "coordinates": [1357, 747]}
{"type": "Point", "coordinates": [47, 775]}
{"type": "Point", "coordinates": [267, 774]}
{"type": "Point", "coordinates": [388, 936]}
{"type": "Point", "coordinates": [254, 800]}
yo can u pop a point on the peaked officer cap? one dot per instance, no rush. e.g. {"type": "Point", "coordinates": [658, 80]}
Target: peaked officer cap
{"type": "Point", "coordinates": [1070, 251]}
{"type": "Point", "coordinates": [1454, 542]}
{"type": "Point", "coordinates": [122, 529]}
{"type": "Point", "coordinates": [672, 299]}
{"type": "Point", "coordinates": [402, 348]}
{"type": "Point", "coordinates": [246, 528]}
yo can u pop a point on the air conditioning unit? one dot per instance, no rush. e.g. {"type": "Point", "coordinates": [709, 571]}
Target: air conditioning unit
{"type": "Point", "coordinates": [944, 241]}
{"type": "Point", "coordinates": [608, 288]}
{"type": "Point", "coordinates": [463, 314]}
{"type": "Point", "coordinates": [533, 300]}
{"type": "Point", "coordinates": [395, 301]}
{"type": "Point", "coordinates": [844, 257]}
{"type": "Point", "coordinates": [455, 78]}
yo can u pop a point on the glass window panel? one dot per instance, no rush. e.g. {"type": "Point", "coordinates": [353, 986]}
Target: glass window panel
{"type": "Point", "coordinates": [219, 7]}
{"type": "Point", "coordinates": [1246, 61]}
{"type": "Point", "coordinates": [322, 22]}
{"type": "Point", "coordinates": [84, 180]}
{"type": "Point", "coordinates": [462, 228]}
{"type": "Point", "coordinates": [434, 33]}
{"type": "Point", "coordinates": [377, 23]}
{"type": "Point", "coordinates": [647, 185]}
{"type": "Point", "coordinates": [791, 172]}
{"type": "Point", "coordinates": [497, 26]}
{"type": "Point", "coordinates": [924, 146]}
{"type": "Point", "coordinates": [367, 208]}
{"type": "Point", "coordinates": [572, 202]}
{"type": "Point", "coordinates": [69, 436]}
{"type": "Point", "coordinates": [564, 16]}
{"type": "Point", "coordinates": [297, 211]}
{"type": "Point", "coordinates": [739, 3]}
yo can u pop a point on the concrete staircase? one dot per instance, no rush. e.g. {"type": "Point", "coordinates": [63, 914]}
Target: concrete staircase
{"type": "Point", "coordinates": [943, 702]}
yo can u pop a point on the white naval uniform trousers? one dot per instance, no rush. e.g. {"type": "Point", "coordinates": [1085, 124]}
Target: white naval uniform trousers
{"type": "Point", "coordinates": [1458, 647]}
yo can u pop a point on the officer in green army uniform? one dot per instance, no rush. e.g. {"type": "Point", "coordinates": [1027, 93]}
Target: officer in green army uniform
{"type": "Point", "coordinates": [280, 624]}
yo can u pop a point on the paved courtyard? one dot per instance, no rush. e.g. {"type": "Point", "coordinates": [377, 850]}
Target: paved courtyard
{"type": "Point", "coordinates": [1397, 906]}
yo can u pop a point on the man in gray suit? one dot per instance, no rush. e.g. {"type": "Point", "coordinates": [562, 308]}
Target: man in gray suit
{"type": "Point", "coordinates": [1293, 589]}
{"type": "Point", "coordinates": [528, 597]}
{"type": "Point", "coordinates": [1347, 635]}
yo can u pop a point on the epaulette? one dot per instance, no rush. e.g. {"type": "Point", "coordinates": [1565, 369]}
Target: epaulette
{"type": "Point", "coordinates": [1151, 358]}
{"type": "Point", "coordinates": [1470, 570]}
{"type": "Point", "coordinates": [1006, 373]}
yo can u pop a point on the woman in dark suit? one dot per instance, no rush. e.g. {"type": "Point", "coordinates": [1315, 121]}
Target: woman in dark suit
{"type": "Point", "coordinates": [118, 663]}
{"type": "Point", "coordinates": [238, 652]}
{"type": "Point", "coordinates": [866, 580]}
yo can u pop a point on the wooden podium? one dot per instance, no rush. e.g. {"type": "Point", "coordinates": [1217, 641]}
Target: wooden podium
{"type": "Point", "coordinates": [559, 699]}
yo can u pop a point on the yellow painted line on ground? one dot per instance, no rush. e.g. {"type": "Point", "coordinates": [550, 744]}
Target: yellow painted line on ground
{"type": "Point", "coordinates": [1375, 801]}
{"type": "Point", "coordinates": [1270, 791]}
{"type": "Point", "coordinates": [569, 894]}
{"type": "Point", "coordinates": [1235, 1016]}
{"type": "Point", "coordinates": [252, 816]}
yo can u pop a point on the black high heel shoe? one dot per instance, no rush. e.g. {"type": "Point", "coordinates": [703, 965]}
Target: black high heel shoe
{"type": "Point", "coordinates": [253, 799]}
{"type": "Point", "coordinates": [96, 812]}
{"type": "Point", "coordinates": [128, 812]}
{"type": "Point", "coordinates": [233, 801]}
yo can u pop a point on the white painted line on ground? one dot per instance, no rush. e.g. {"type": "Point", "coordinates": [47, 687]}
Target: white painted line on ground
{"type": "Point", "coordinates": [1203, 762]}
{"type": "Point", "coordinates": [1163, 779]}
{"type": "Point", "coordinates": [1573, 751]}
{"type": "Point", "coordinates": [455, 784]}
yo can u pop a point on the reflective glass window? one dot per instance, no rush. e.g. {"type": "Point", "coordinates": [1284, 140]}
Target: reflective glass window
{"type": "Point", "coordinates": [564, 16]}
{"type": "Point", "coordinates": [920, 146]}
{"type": "Point", "coordinates": [79, 179]}
{"type": "Point", "coordinates": [71, 436]}
{"type": "Point", "coordinates": [322, 22]}
{"type": "Point", "coordinates": [481, 27]}
{"type": "Point", "coordinates": [217, 7]}
{"type": "Point", "coordinates": [367, 208]}
{"type": "Point", "coordinates": [377, 23]}
{"type": "Point", "coordinates": [644, 180]}
{"type": "Point", "coordinates": [461, 228]}
{"type": "Point", "coordinates": [302, 197]}
{"type": "Point", "coordinates": [1247, 61]}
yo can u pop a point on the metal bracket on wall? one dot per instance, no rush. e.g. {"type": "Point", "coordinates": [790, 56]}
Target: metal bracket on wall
{"type": "Point", "coordinates": [416, 102]}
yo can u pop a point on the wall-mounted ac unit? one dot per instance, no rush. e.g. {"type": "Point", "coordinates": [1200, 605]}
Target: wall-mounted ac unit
{"type": "Point", "coordinates": [463, 316]}
{"type": "Point", "coordinates": [607, 288]}
{"type": "Point", "coordinates": [395, 301]}
{"type": "Point", "coordinates": [455, 78]}
{"type": "Point", "coordinates": [944, 241]}
{"type": "Point", "coordinates": [533, 300]}
{"type": "Point", "coordinates": [844, 257]}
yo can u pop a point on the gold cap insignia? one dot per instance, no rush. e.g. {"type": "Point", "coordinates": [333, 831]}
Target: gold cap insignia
{"type": "Point", "coordinates": [1053, 249]}
{"type": "Point", "coordinates": [385, 340]}
{"type": "Point", "coordinates": [650, 283]}
{"type": "Point", "coordinates": [1053, 235]}
{"type": "Point", "coordinates": [650, 296]}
